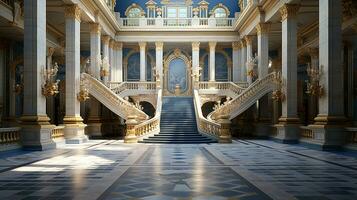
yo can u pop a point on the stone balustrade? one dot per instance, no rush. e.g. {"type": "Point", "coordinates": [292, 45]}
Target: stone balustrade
{"type": "Point", "coordinates": [167, 23]}
{"type": "Point", "coordinates": [57, 132]}
{"type": "Point", "coordinates": [9, 135]}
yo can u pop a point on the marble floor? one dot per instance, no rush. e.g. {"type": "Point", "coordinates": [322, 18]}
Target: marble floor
{"type": "Point", "coordinates": [245, 170]}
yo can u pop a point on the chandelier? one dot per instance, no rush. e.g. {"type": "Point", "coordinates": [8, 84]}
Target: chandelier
{"type": "Point", "coordinates": [49, 85]}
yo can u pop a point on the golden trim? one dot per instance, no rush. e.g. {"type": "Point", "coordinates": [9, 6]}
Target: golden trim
{"type": "Point", "coordinates": [73, 11]}
{"type": "Point", "coordinates": [289, 10]}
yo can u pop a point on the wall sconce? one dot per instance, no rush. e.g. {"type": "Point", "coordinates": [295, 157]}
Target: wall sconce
{"type": "Point", "coordinates": [278, 94]}
{"type": "Point", "coordinates": [49, 85]}
{"type": "Point", "coordinates": [313, 84]}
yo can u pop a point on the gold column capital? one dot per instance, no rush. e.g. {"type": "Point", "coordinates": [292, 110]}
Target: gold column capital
{"type": "Point", "coordinates": [236, 46]}
{"type": "Point", "coordinates": [112, 43]}
{"type": "Point", "coordinates": [263, 28]}
{"type": "Point", "coordinates": [119, 46]}
{"type": "Point", "coordinates": [289, 10]}
{"type": "Point", "coordinates": [159, 46]}
{"type": "Point", "coordinates": [73, 11]}
{"type": "Point", "coordinates": [243, 43]}
{"type": "Point", "coordinates": [95, 28]}
{"type": "Point", "coordinates": [212, 45]}
{"type": "Point", "coordinates": [196, 46]}
{"type": "Point", "coordinates": [142, 45]}
{"type": "Point", "coordinates": [106, 39]}
{"type": "Point", "coordinates": [248, 39]}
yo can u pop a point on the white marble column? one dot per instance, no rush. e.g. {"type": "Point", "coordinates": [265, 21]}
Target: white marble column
{"type": "Point", "coordinates": [94, 128]}
{"type": "Point", "coordinates": [263, 49]}
{"type": "Point", "coordinates": [95, 50]}
{"type": "Point", "coordinates": [288, 128]}
{"type": "Point", "coordinates": [105, 60]}
{"type": "Point", "coordinates": [159, 60]}
{"type": "Point", "coordinates": [236, 47]}
{"type": "Point", "coordinates": [243, 61]}
{"type": "Point", "coordinates": [119, 62]}
{"type": "Point", "coordinates": [36, 129]}
{"type": "Point", "coordinates": [328, 128]}
{"type": "Point", "coordinates": [196, 59]}
{"type": "Point", "coordinates": [212, 61]}
{"type": "Point", "coordinates": [248, 42]}
{"type": "Point", "coordinates": [263, 125]}
{"type": "Point", "coordinates": [142, 46]}
{"type": "Point", "coordinates": [112, 51]}
{"type": "Point", "coordinates": [74, 131]}
{"type": "Point", "coordinates": [50, 104]}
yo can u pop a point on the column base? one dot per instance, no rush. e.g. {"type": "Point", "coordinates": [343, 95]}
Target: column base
{"type": "Point", "coordinates": [74, 130]}
{"type": "Point", "coordinates": [328, 132]}
{"type": "Point", "coordinates": [288, 130]}
{"type": "Point", "coordinates": [225, 132]}
{"type": "Point", "coordinates": [36, 133]}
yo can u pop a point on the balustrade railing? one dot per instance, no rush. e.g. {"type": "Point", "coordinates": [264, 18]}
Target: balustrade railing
{"type": "Point", "coordinates": [111, 100]}
{"type": "Point", "coordinates": [57, 132]}
{"type": "Point", "coordinates": [221, 86]}
{"type": "Point", "coordinates": [153, 124]}
{"type": "Point", "coordinates": [257, 89]}
{"type": "Point", "coordinates": [352, 135]}
{"type": "Point", "coordinates": [306, 133]}
{"type": "Point", "coordinates": [204, 125]}
{"type": "Point", "coordinates": [118, 88]}
{"type": "Point", "coordinates": [177, 22]}
{"type": "Point", "coordinates": [9, 135]}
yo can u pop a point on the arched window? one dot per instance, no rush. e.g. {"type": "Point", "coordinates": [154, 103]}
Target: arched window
{"type": "Point", "coordinates": [134, 13]}
{"type": "Point", "coordinates": [220, 13]}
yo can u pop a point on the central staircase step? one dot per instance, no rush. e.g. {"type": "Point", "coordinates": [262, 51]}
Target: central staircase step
{"type": "Point", "coordinates": [178, 123]}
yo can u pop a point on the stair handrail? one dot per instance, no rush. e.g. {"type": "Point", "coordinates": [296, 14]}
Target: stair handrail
{"type": "Point", "coordinates": [121, 107]}
{"type": "Point", "coordinates": [236, 89]}
{"type": "Point", "coordinates": [121, 87]}
{"type": "Point", "coordinates": [252, 90]}
{"type": "Point", "coordinates": [205, 126]}
{"type": "Point", "coordinates": [152, 125]}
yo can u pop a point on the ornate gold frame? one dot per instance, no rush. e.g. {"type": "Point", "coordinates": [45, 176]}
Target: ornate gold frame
{"type": "Point", "coordinates": [177, 53]}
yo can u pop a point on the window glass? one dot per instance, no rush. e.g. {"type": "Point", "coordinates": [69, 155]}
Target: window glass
{"type": "Point", "coordinates": [134, 13]}
{"type": "Point", "coordinates": [182, 12]}
{"type": "Point", "coordinates": [220, 13]}
{"type": "Point", "coordinates": [172, 12]}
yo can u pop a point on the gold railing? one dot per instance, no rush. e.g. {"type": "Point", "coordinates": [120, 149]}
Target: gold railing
{"type": "Point", "coordinates": [305, 132]}
{"type": "Point", "coordinates": [111, 100]}
{"type": "Point", "coordinates": [9, 135]}
{"type": "Point", "coordinates": [249, 96]}
{"type": "Point", "coordinates": [152, 124]}
{"type": "Point", "coordinates": [204, 125]}
{"type": "Point", "coordinates": [57, 132]}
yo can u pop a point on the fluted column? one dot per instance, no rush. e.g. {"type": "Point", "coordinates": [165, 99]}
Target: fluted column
{"type": "Point", "coordinates": [94, 128]}
{"type": "Point", "coordinates": [142, 46]}
{"type": "Point", "coordinates": [288, 129]}
{"type": "Point", "coordinates": [105, 60]}
{"type": "Point", "coordinates": [212, 61]}
{"type": "Point", "coordinates": [236, 47]}
{"type": "Point", "coordinates": [248, 42]}
{"type": "Point", "coordinates": [36, 129]}
{"type": "Point", "coordinates": [95, 50]}
{"type": "Point", "coordinates": [196, 57]}
{"type": "Point", "coordinates": [159, 60]}
{"type": "Point", "coordinates": [243, 61]}
{"type": "Point", "coordinates": [74, 131]}
{"type": "Point", "coordinates": [263, 126]}
{"type": "Point", "coordinates": [119, 62]}
{"type": "Point", "coordinates": [112, 50]}
{"type": "Point", "coordinates": [328, 129]}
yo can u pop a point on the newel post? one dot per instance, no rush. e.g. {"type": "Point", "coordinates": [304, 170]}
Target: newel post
{"type": "Point", "coordinates": [130, 136]}
{"type": "Point", "coordinates": [225, 131]}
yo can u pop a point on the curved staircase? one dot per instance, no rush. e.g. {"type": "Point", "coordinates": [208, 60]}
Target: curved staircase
{"type": "Point", "coordinates": [178, 123]}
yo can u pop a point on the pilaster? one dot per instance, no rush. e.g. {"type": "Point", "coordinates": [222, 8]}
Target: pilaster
{"type": "Point", "coordinates": [248, 41]}
{"type": "Point", "coordinates": [95, 50]}
{"type": "Point", "coordinates": [236, 46]}
{"type": "Point", "coordinates": [243, 61]}
{"type": "Point", "coordinates": [74, 127]}
{"type": "Point", "coordinates": [159, 60]}
{"type": "Point", "coordinates": [196, 59]}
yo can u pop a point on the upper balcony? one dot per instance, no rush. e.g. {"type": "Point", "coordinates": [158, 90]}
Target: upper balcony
{"type": "Point", "coordinates": [173, 24]}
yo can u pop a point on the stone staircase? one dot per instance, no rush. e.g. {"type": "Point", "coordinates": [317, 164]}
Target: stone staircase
{"type": "Point", "coordinates": [178, 123]}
